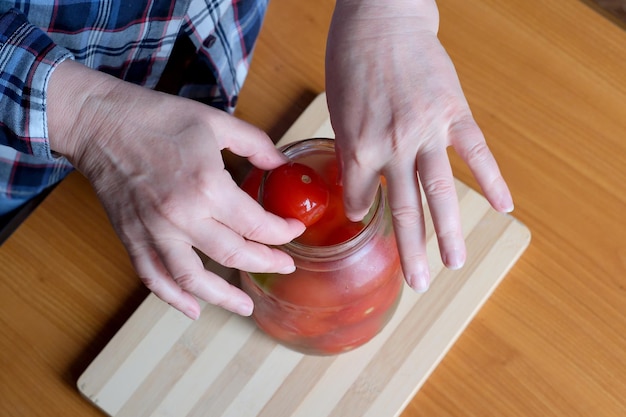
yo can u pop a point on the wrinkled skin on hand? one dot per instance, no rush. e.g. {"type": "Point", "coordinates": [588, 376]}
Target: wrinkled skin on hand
{"type": "Point", "coordinates": [155, 162]}
{"type": "Point", "coordinates": [396, 105]}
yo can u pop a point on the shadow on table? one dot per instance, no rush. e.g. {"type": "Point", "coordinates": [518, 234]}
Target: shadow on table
{"type": "Point", "coordinates": [614, 10]}
{"type": "Point", "coordinates": [105, 334]}
{"type": "Point", "coordinates": [10, 222]}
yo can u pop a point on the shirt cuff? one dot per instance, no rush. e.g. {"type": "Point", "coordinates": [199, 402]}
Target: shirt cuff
{"type": "Point", "coordinates": [27, 59]}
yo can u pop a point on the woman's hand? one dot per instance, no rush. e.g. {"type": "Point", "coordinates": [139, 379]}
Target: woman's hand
{"type": "Point", "coordinates": [396, 105]}
{"type": "Point", "coordinates": [155, 162]}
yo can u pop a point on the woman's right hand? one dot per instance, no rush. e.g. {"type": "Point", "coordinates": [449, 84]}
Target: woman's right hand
{"type": "Point", "coordinates": [155, 163]}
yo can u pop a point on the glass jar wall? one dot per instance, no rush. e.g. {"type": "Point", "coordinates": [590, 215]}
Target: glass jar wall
{"type": "Point", "coordinates": [348, 279]}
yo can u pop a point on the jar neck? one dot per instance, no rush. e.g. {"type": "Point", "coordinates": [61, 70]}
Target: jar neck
{"type": "Point", "coordinates": [307, 146]}
{"type": "Point", "coordinates": [374, 221]}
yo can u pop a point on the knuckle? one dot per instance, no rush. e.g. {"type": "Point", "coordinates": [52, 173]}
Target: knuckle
{"type": "Point", "coordinates": [407, 216]}
{"type": "Point", "coordinates": [232, 259]}
{"type": "Point", "coordinates": [168, 206]}
{"type": "Point", "coordinates": [356, 203]}
{"type": "Point", "coordinates": [176, 204]}
{"type": "Point", "coordinates": [464, 124]}
{"type": "Point", "coordinates": [255, 231]}
{"type": "Point", "coordinates": [449, 235]}
{"type": "Point", "coordinates": [150, 282]}
{"type": "Point", "coordinates": [477, 154]}
{"type": "Point", "coordinates": [221, 302]}
{"type": "Point", "coordinates": [444, 108]}
{"type": "Point", "coordinates": [439, 189]}
{"type": "Point", "coordinates": [364, 156]}
{"type": "Point", "coordinates": [186, 281]}
{"type": "Point", "coordinates": [419, 256]}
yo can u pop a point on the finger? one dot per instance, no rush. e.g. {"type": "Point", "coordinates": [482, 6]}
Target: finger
{"type": "Point", "coordinates": [188, 272]}
{"type": "Point", "coordinates": [248, 141]}
{"type": "Point", "coordinates": [156, 278]}
{"type": "Point", "coordinates": [247, 218]}
{"type": "Point", "coordinates": [225, 246]}
{"type": "Point", "coordinates": [469, 143]}
{"type": "Point", "coordinates": [438, 184]}
{"type": "Point", "coordinates": [408, 221]}
{"type": "Point", "coordinates": [360, 185]}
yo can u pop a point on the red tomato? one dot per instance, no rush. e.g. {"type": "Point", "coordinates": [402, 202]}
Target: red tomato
{"type": "Point", "coordinates": [348, 337]}
{"type": "Point", "coordinates": [303, 288]}
{"type": "Point", "coordinates": [343, 232]}
{"type": "Point", "coordinates": [333, 227]}
{"type": "Point", "coordinates": [317, 234]}
{"type": "Point", "coordinates": [275, 329]}
{"type": "Point", "coordinates": [295, 190]}
{"type": "Point", "coordinates": [380, 262]}
{"type": "Point", "coordinates": [376, 303]}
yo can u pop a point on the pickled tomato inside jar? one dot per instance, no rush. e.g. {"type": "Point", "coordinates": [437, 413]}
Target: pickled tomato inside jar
{"type": "Point", "coordinates": [348, 279]}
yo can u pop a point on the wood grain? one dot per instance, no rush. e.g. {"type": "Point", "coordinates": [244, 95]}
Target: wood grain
{"type": "Point", "coordinates": [162, 364]}
{"type": "Point", "coordinates": [547, 85]}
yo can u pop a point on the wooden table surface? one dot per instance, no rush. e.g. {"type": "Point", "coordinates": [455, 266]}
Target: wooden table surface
{"type": "Point", "coordinates": [547, 83]}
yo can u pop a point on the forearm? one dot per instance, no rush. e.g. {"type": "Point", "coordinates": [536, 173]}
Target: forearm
{"type": "Point", "coordinates": [425, 10]}
{"type": "Point", "coordinates": [75, 96]}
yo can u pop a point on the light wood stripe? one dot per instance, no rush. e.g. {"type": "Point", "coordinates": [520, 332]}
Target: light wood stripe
{"type": "Point", "coordinates": [127, 339]}
{"type": "Point", "coordinates": [182, 355]}
{"type": "Point", "coordinates": [255, 394]}
{"type": "Point", "coordinates": [296, 386]}
{"type": "Point", "coordinates": [227, 386]}
{"type": "Point", "coordinates": [221, 349]}
{"type": "Point", "coordinates": [136, 366]}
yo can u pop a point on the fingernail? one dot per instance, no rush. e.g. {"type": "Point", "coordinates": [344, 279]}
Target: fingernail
{"type": "Point", "coordinates": [506, 204]}
{"type": "Point", "coordinates": [193, 315]}
{"type": "Point", "coordinates": [420, 282]}
{"type": "Point", "coordinates": [297, 226]}
{"type": "Point", "coordinates": [455, 259]}
{"type": "Point", "coordinates": [287, 270]}
{"type": "Point", "coordinates": [507, 207]}
{"type": "Point", "coordinates": [357, 217]}
{"type": "Point", "coordinates": [245, 309]}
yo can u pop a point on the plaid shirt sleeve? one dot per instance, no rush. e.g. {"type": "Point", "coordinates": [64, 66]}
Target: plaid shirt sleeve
{"type": "Point", "coordinates": [27, 58]}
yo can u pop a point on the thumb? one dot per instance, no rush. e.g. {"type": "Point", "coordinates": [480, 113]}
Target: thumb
{"type": "Point", "coordinates": [246, 140]}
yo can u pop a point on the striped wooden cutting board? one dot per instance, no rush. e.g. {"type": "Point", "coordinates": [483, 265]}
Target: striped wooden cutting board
{"type": "Point", "coordinates": [163, 364]}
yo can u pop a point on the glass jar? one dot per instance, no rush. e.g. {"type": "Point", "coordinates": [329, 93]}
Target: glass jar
{"type": "Point", "coordinates": [341, 294]}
